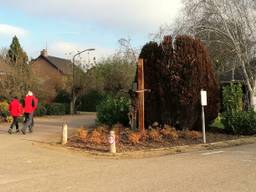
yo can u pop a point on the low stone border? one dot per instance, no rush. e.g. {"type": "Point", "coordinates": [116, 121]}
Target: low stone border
{"type": "Point", "coordinates": [170, 150]}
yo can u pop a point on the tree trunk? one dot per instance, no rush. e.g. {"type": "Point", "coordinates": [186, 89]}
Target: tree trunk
{"type": "Point", "coordinates": [252, 100]}
{"type": "Point", "coordinates": [72, 105]}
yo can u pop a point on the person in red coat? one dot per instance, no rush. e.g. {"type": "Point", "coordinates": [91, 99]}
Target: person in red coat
{"type": "Point", "coordinates": [15, 110]}
{"type": "Point", "coordinates": [30, 105]}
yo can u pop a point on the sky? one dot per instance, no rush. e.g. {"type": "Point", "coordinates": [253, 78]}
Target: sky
{"type": "Point", "coordinates": [67, 26]}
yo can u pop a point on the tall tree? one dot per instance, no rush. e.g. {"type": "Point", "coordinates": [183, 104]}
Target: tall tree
{"type": "Point", "coordinates": [228, 29]}
{"type": "Point", "coordinates": [176, 71]}
{"type": "Point", "coordinates": [19, 79]}
{"type": "Point", "coordinates": [16, 54]}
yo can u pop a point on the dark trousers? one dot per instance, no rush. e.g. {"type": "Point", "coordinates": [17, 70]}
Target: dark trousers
{"type": "Point", "coordinates": [29, 121]}
{"type": "Point", "coordinates": [15, 122]}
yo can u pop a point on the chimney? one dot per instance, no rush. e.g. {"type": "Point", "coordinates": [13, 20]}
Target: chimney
{"type": "Point", "coordinates": [44, 53]}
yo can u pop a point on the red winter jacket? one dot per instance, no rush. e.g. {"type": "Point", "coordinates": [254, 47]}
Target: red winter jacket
{"type": "Point", "coordinates": [30, 104]}
{"type": "Point", "coordinates": [15, 108]}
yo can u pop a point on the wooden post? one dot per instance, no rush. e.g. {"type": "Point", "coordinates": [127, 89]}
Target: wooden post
{"type": "Point", "coordinates": [141, 95]}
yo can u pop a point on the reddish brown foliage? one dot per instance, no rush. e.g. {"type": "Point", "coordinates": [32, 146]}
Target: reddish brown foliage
{"type": "Point", "coordinates": [134, 137]}
{"type": "Point", "coordinates": [175, 76]}
{"type": "Point", "coordinates": [82, 133]}
{"type": "Point", "coordinates": [191, 135]}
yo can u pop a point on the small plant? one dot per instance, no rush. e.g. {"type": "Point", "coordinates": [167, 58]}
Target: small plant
{"type": "Point", "coordinates": [95, 137]}
{"type": "Point", "coordinates": [4, 109]}
{"type": "Point", "coordinates": [190, 134]}
{"type": "Point", "coordinates": [217, 123]}
{"type": "Point", "coordinates": [83, 133]}
{"type": "Point", "coordinates": [9, 119]}
{"type": "Point", "coordinates": [144, 135]}
{"type": "Point", "coordinates": [154, 135]}
{"type": "Point", "coordinates": [134, 137]}
{"type": "Point", "coordinates": [169, 132]}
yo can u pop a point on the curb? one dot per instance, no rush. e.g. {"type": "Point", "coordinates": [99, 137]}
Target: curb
{"type": "Point", "coordinates": [169, 150]}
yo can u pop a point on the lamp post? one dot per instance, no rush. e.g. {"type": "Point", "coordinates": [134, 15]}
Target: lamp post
{"type": "Point", "coordinates": [72, 104]}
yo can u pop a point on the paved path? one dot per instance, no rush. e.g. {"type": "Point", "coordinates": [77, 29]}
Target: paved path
{"type": "Point", "coordinates": [48, 129]}
{"type": "Point", "coordinates": [28, 166]}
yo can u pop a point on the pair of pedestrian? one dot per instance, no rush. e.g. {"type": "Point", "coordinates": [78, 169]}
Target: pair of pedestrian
{"type": "Point", "coordinates": [16, 110]}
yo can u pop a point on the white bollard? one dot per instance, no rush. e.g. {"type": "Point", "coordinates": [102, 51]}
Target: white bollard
{"type": "Point", "coordinates": [112, 142]}
{"type": "Point", "coordinates": [64, 138]}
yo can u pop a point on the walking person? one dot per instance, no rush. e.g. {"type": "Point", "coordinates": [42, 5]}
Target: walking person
{"type": "Point", "coordinates": [15, 110]}
{"type": "Point", "coordinates": [30, 105]}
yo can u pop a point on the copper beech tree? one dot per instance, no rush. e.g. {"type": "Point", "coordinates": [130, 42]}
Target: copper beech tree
{"type": "Point", "coordinates": [175, 72]}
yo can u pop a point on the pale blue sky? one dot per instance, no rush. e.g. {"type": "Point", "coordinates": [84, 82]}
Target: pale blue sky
{"type": "Point", "coordinates": [67, 26]}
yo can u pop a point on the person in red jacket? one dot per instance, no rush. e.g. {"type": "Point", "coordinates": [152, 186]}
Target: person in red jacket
{"type": "Point", "coordinates": [30, 105]}
{"type": "Point", "coordinates": [15, 110]}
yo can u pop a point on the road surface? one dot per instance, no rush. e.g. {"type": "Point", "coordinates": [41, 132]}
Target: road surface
{"type": "Point", "coordinates": [28, 166]}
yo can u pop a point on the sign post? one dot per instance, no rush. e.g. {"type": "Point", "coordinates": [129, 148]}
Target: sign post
{"type": "Point", "coordinates": [203, 103]}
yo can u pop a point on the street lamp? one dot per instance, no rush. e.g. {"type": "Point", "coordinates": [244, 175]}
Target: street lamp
{"type": "Point", "coordinates": [72, 104]}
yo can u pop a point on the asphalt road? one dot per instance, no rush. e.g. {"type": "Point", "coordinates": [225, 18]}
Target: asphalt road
{"type": "Point", "coordinates": [28, 166]}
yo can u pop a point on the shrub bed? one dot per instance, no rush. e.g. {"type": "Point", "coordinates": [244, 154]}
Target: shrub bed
{"type": "Point", "coordinates": [127, 140]}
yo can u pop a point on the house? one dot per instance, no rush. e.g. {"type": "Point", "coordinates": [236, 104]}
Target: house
{"type": "Point", "coordinates": [52, 73]}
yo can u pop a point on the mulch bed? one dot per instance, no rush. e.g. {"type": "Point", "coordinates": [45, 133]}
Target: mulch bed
{"type": "Point", "coordinates": [124, 145]}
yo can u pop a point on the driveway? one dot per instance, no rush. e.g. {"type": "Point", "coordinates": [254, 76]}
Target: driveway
{"type": "Point", "coordinates": [28, 166]}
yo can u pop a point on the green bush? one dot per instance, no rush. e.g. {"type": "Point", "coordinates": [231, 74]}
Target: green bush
{"type": "Point", "coordinates": [41, 109]}
{"type": "Point", "coordinates": [62, 97]}
{"type": "Point", "coordinates": [67, 108]}
{"type": "Point", "coordinates": [232, 98]}
{"type": "Point", "coordinates": [241, 122]}
{"type": "Point", "coordinates": [56, 109]}
{"type": "Point", "coordinates": [232, 109]}
{"type": "Point", "coordinates": [217, 122]}
{"type": "Point", "coordinates": [89, 101]}
{"type": "Point", "coordinates": [4, 112]}
{"type": "Point", "coordinates": [113, 110]}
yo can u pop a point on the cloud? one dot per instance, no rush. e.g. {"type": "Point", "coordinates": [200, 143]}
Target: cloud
{"type": "Point", "coordinates": [130, 15]}
{"type": "Point", "coordinates": [68, 50]}
{"type": "Point", "coordinates": [9, 30]}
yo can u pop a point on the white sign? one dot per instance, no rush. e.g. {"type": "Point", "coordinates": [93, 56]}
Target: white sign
{"type": "Point", "coordinates": [203, 98]}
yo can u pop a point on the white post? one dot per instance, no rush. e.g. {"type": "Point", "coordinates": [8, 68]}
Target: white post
{"type": "Point", "coordinates": [203, 103]}
{"type": "Point", "coordinates": [64, 138]}
{"type": "Point", "coordinates": [203, 124]}
{"type": "Point", "coordinates": [112, 142]}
